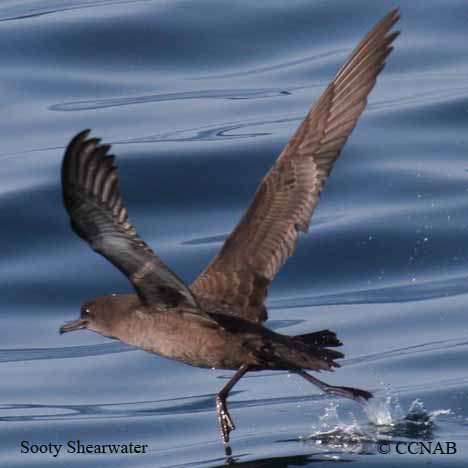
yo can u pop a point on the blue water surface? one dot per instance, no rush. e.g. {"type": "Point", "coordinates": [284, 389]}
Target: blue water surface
{"type": "Point", "coordinates": [198, 98]}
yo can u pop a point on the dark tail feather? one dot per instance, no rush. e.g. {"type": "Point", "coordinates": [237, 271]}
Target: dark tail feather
{"type": "Point", "coordinates": [318, 343]}
{"type": "Point", "coordinates": [320, 339]}
{"type": "Point", "coordinates": [330, 355]}
{"type": "Point", "coordinates": [310, 351]}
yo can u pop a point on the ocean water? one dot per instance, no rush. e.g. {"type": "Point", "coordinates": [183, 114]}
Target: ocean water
{"type": "Point", "coordinates": [198, 98]}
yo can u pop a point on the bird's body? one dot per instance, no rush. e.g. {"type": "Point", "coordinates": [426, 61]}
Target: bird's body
{"type": "Point", "coordinates": [218, 320]}
{"type": "Point", "coordinates": [210, 340]}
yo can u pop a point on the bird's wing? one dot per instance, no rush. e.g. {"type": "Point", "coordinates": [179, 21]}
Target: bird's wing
{"type": "Point", "coordinates": [238, 276]}
{"type": "Point", "coordinates": [92, 199]}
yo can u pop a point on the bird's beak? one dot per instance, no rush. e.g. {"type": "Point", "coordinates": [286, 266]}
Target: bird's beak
{"type": "Point", "coordinates": [72, 326]}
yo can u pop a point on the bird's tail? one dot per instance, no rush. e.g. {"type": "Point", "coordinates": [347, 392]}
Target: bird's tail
{"type": "Point", "coordinates": [310, 351]}
{"type": "Point", "coordinates": [320, 339]}
{"type": "Point", "coordinates": [319, 343]}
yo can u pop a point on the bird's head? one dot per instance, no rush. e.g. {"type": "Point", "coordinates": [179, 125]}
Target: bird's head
{"type": "Point", "coordinates": [102, 315]}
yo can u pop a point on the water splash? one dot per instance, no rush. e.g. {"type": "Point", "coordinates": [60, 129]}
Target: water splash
{"type": "Point", "coordinates": [387, 417]}
{"type": "Point", "coordinates": [384, 413]}
{"type": "Point", "coordinates": [386, 421]}
{"type": "Point", "coordinates": [335, 432]}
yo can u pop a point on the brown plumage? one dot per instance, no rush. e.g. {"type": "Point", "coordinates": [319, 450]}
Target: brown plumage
{"type": "Point", "coordinates": [287, 196]}
{"type": "Point", "coordinates": [216, 322]}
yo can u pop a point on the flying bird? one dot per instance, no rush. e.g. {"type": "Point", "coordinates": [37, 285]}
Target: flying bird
{"type": "Point", "coordinates": [217, 321]}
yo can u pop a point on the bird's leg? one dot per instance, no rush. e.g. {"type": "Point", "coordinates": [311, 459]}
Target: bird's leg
{"type": "Point", "coordinates": [224, 418]}
{"type": "Point", "coordinates": [346, 392]}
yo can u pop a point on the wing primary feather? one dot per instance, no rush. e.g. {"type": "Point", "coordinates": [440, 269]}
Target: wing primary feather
{"type": "Point", "coordinates": [92, 198]}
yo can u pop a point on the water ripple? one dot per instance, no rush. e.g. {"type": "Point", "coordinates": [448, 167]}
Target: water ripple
{"type": "Point", "coordinates": [14, 355]}
{"type": "Point", "coordinates": [414, 291]}
{"type": "Point", "coordinates": [31, 9]}
{"type": "Point", "coordinates": [328, 55]}
{"type": "Point", "coordinates": [233, 94]}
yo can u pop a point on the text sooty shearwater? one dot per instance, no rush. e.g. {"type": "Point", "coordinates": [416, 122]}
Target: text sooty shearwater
{"type": "Point", "coordinates": [217, 321]}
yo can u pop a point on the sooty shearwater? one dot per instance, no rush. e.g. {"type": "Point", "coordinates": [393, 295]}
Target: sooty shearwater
{"type": "Point", "coordinates": [216, 322]}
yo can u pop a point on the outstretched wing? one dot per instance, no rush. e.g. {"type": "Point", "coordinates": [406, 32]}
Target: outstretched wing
{"type": "Point", "coordinates": [238, 276]}
{"type": "Point", "coordinates": [92, 199]}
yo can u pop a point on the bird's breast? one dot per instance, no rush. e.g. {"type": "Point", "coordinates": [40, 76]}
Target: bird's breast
{"type": "Point", "coordinates": [190, 340]}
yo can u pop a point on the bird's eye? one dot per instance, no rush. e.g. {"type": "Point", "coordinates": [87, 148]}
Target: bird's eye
{"type": "Point", "coordinates": [86, 312]}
